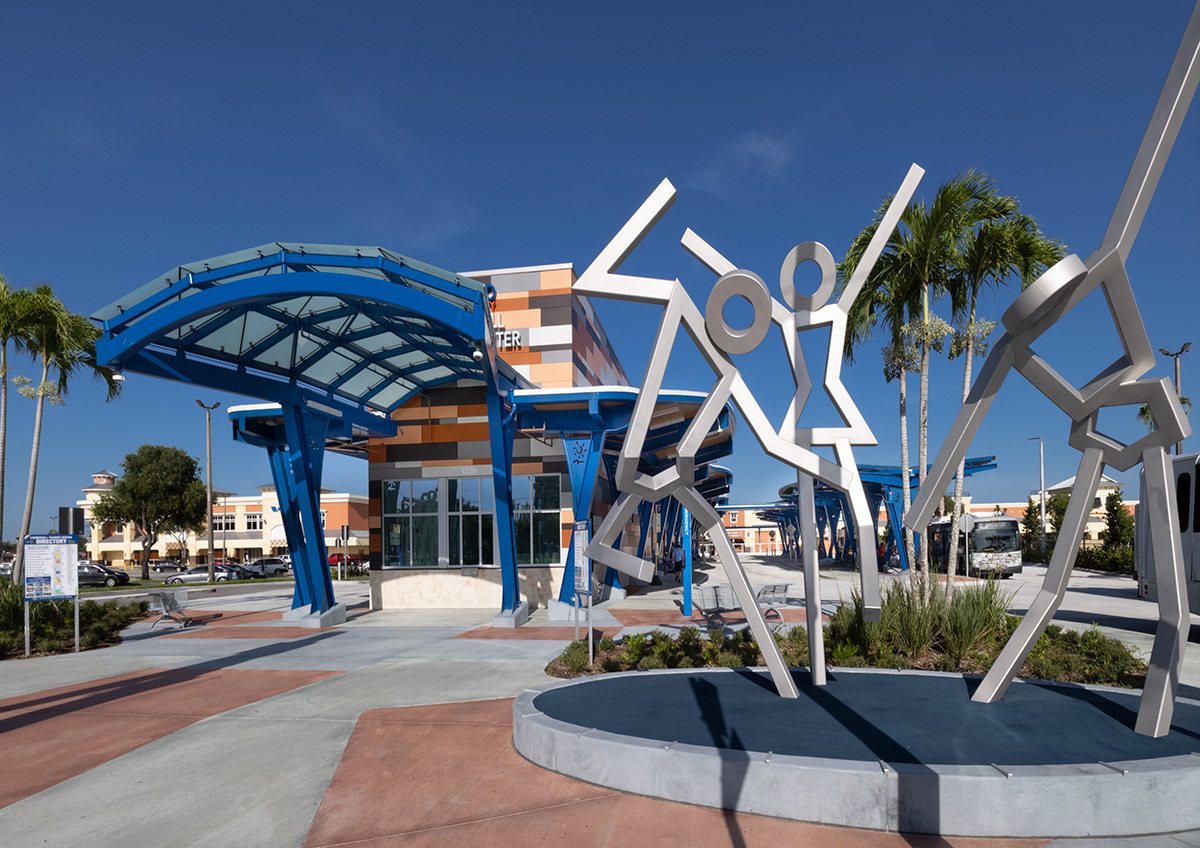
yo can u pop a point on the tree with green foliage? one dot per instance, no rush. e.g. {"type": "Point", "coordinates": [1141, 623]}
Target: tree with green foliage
{"type": "Point", "coordinates": [63, 343]}
{"type": "Point", "coordinates": [999, 246]}
{"type": "Point", "coordinates": [1031, 524]}
{"type": "Point", "coordinates": [159, 490]}
{"type": "Point", "coordinates": [925, 258]}
{"type": "Point", "coordinates": [1056, 510]}
{"type": "Point", "coordinates": [1118, 530]}
{"type": "Point", "coordinates": [14, 327]}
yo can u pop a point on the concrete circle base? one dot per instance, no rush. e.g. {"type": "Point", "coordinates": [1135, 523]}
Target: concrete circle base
{"type": "Point", "coordinates": [884, 750]}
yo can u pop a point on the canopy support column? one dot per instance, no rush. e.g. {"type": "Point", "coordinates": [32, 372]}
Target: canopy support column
{"type": "Point", "coordinates": [296, 467]}
{"type": "Point", "coordinates": [501, 431]}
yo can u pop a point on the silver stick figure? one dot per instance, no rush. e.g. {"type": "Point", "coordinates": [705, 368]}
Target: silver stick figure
{"type": "Point", "coordinates": [1034, 312]}
{"type": "Point", "coordinates": [717, 342]}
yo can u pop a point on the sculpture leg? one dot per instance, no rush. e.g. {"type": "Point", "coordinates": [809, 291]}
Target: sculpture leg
{"type": "Point", "coordinates": [601, 547]}
{"type": "Point", "coordinates": [864, 527]}
{"type": "Point", "coordinates": [1174, 621]}
{"type": "Point", "coordinates": [812, 579]}
{"type": "Point", "coordinates": [711, 521]}
{"type": "Point", "coordinates": [1054, 587]}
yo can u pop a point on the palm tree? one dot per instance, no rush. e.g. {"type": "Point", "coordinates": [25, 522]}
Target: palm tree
{"type": "Point", "coordinates": [63, 343]}
{"type": "Point", "coordinates": [995, 249]}
{"type": "Point", "coordinates": [917, 265]}
{"type": "Point", "coordinates": [1145, 415]}
{"type": "Point", "coordinates": [14, 325]}
{"type": "Point", "coordinates": [887, 304]}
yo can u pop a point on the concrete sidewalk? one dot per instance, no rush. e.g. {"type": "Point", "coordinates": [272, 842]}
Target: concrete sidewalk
{"type": "Point", "coordinates": [392, 729]}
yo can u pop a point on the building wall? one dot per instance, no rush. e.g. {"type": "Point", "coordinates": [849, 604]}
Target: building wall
{"type": "Point", "coordinates": [121, 548]}
{"type": "Point", "coordinates": [555, 340]}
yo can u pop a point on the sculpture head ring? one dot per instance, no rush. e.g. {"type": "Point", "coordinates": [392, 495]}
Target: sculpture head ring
{"type": "Point", "coordinates": [745, 284]}
{"type": "Point", "coordinates": [810, 251]}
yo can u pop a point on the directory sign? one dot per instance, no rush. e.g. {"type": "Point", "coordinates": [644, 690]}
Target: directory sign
{"type": "Point", "coordinates": [51, 567]}
{"type": "Point", "coordinates": [583, 565]}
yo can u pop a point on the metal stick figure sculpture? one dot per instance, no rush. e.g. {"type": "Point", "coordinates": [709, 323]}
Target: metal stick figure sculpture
{"type": "Point", "coordinates": [1034, 312]}
{"type": "Point", "coordinates": [716, 342]}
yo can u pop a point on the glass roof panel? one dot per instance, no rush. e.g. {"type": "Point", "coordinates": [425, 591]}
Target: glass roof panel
{"type": "Point", "coordinates": [381, 341]}
{"type": "Point", "coordinates": [257, 327]}
{"type": "Point", "coordinates": [436, 373]}
{"type": "Point", "coordinates": [326, 369]}
{"type": "Point", "coordinates": [393, 393]}
{"type": "Point", "coordinates": [278, 355]}
{"type": "Point", "coordinates": [226, 338]}
{"type": "Point", "coordinates": [407, 357]}
{"type": "Point", "coordinates": [364, 381]}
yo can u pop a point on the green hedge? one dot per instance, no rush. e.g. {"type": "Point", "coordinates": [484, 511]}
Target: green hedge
{"type": "Point", "coordinates": [1098, 559]}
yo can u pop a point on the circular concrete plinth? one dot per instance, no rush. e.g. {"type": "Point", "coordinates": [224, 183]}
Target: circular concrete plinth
{"type": "Point", "coordinates": [885, 750]}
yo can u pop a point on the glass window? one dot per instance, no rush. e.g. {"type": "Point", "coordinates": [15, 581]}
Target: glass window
{"type": "Point", "coordinates": [410, 523]}
{"type": "Point", "coordinates": [424, 496]}
{"type": "Point", "coordinates": [254, 521]}
{"type": "Point", "coordinates": [537, 520]}
{"type": "Point", "coordinates": [469, 528]}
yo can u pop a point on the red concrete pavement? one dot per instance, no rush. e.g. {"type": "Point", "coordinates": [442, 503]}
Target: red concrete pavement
{"type": "Point", "coordinates": [448, 775]}
{"type": "Point", "coordinates": [54, 735]}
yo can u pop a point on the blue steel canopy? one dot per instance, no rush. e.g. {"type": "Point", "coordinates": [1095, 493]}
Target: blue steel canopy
{"type": "Point", "coordinates": [348, 330]}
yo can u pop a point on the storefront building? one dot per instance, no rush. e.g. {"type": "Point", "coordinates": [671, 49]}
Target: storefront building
{"type": "Point", "coordinates": [433, 526]}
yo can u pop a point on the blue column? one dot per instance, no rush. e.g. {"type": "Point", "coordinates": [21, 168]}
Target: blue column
{"type": "Point", "coordinates": [583, 461]}
{"type": "Point", "coordinates": [501, 430]}
{"type": "Point", "coordinates": [301, 467]}
{"type": "Point", "coordinates": [892, 497]}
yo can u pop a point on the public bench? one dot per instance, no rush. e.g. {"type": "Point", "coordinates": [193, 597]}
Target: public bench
{"type": "Point", "coordinates": [720, 598]}
{"type": "Point", "coordinates": [170, 603]}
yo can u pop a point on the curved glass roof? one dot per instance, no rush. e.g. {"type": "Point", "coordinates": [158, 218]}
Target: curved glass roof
{"type": "Point", "coordinates": [350, 328]}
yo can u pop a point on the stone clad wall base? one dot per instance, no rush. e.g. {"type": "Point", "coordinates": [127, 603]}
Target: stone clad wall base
{"type": "Point", "coordinates": [451, 588]}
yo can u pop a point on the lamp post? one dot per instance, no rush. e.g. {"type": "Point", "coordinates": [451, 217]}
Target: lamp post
{"type": "Point", "coordinates": [1042, 485]}
{"type": "Point", "coordinates": [208, 447]}
{"type": "Point", "coordinates": [1178, 388]}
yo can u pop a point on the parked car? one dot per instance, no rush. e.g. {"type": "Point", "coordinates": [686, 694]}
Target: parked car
{"type": "Point", "coordinates": [269, 566]}
{"type": "Point", "coordinates": [167, 566]}
{"type": "Point", "coordinates": [6, 569]}
{"type": "Point", "coordinates": [199, 574]}
{"type": "Point", "coordinates": [91, 574]}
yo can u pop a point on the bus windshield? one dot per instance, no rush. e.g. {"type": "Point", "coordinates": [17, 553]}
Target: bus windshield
{"type": "Point", "coordinates": [995, 538]}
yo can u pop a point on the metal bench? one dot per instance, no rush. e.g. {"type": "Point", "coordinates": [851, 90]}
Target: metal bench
{"type": "Point", "coordinates": [716, 599]}
{"type": "Point", "coordinates": [771, 597]}
{"type": "Point", "coordinates": [171, 604]}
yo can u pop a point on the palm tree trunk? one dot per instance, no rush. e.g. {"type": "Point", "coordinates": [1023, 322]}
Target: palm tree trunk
{"type": "Point", "coordinates": [27, 519]}
{"type": "Point", "coordinates": [3, 428]}
{"type": "Point", "coordinates": [952, 561]}
{"type": "Point", "coordinates": [908, 534]}
{"type": "Point", "coordinates": [923, 451]}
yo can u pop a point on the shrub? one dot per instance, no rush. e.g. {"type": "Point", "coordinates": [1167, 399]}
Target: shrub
{"type": "Point", "coordinates": [575, 656]}
{"type": "Point", "coordinates": [635, 648]}
{"type": "Point", "coordinates": [607, 643]}
{"type": "Point", "coordinates": [913, 620]}
{"type": "Point", "coordinates": [611, 664]}
{"type": "Point", "coordinates": [975, 612]}
{"type": "Point", "coordinates": [651, 662]}
{"type": "Point", "coordinates": [1106, 559]}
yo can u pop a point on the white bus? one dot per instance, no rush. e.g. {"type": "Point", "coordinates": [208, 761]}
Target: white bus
{"type": "Point", "coordinates": [987, 547]}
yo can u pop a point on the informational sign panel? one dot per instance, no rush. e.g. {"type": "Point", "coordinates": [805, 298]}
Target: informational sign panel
{"type": "Point", "coordinates": [51, 567]}
{"type": "Point", "coordinates": [583, 565]}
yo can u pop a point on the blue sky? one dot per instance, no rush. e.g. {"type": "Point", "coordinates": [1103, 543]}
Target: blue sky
{"type": "Point", "coordinates": [140, 136]}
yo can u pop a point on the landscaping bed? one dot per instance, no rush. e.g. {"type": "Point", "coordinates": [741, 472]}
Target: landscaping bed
{"type": "Point", "coordinates": [919, 629]}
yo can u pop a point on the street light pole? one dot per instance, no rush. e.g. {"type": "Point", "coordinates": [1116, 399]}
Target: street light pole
{"type": "Point", "coordinates": [212, 571]}
{"type": "Point", "coordinates": [1178, 388]}
{"type": "Point", "coordinates": [1042, 485]}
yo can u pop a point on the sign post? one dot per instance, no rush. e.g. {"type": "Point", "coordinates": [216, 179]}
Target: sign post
{"type": "Point", "coordinates": [583, 579]}
{"type": "Point", "coordinates": [51, 573]}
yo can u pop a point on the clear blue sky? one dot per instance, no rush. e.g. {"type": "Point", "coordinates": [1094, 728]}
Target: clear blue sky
{"type": "Point", "coordinates": [140, 136]}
